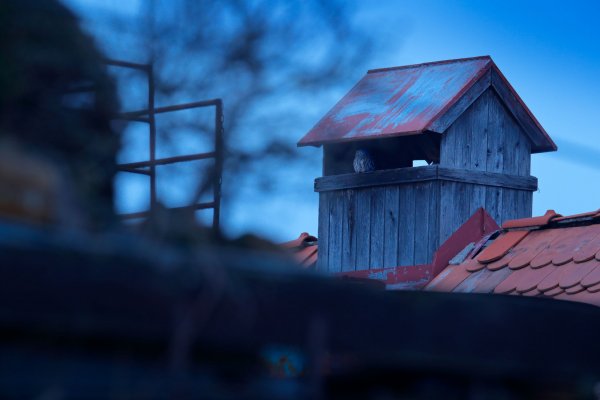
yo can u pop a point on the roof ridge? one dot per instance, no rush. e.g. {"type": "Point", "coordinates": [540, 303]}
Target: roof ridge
{"type": "Point", "coordinates": [552, 220]}
{"type": "Point", "coordinates": [455, 60]}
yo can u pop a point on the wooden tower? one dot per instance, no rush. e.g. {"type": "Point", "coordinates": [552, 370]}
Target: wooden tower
{"type": "Point", "coordinates": [474, 135]}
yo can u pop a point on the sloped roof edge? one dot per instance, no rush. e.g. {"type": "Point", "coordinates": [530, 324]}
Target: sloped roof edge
{"type": "Point", "coordinates": [359, 115]}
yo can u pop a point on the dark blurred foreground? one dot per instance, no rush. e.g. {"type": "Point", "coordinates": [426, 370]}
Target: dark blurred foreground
{"type": "Point", "coordinates": [90, 309]}
{"type": "Point", "coordinates": [122, 317]}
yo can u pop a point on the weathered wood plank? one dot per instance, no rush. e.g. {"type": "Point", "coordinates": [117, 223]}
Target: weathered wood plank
{"type": "Point", "coordinates": [455, 207]}
{"type": "Point", "coordinates": [336, 207]}
{"type": "Point", "coordinates": [510, 205]}
{"type": "Point", "coordinates": [493, 203]}
{"type": "Point", "coordinates": [532, 130]}
{"type": "Point", "coordinates": [477, 199]}
{"type": "Point", "coordinates": [323, 254]}
{"type": "Point", "coordinates": [524, 159]}
{"type": "Point", "coordinates": [447, 199]}
{"type": "Point", "coordinates": [377, 228]}
{"type": "Point", "coordinates": [478, 133]}
{"type": "Point", "coordinates": [391, 239]}
{"type": "Point", "coordinates": [348, 231]}
{"type": "Point", "coordinates": [376, 178]}
{"type": "Point", "coordinates": [423, 202]}
{"type": "Point", "coordinates": [363, 228]}
{"type": "Point", "coordinates": [495, 147]}
{"type": "Point", "coordinates": [464, 194]}
{"type": "Point", "coordinates": [433, 240]}
{"type": "Point", "coordinates": [488, 178]}
{"type": "Point", "coordinates": [423, 174]}
{"type": "Point", "coordinates": [406, 224]}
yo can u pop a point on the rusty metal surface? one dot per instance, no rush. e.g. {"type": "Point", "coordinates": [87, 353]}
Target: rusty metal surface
{"type": "Point", "coordinates": [397, 101]}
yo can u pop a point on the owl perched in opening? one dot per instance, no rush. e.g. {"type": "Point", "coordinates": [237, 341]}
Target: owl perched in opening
{"type": "Point", "coordinates": [363, 161]}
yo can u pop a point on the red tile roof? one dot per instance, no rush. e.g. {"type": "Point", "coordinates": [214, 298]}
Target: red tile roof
{"type": "Point", "coordinates": [548, 256]}
{"type": "Point", "coordinates": [304, 249]}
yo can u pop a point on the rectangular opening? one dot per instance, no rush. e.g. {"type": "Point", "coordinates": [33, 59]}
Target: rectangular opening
{"type": "Point", "coordinates": [392, 153]}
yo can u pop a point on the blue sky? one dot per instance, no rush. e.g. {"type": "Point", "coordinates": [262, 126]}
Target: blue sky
{"type": "Point", "coordinates": [549, 51]}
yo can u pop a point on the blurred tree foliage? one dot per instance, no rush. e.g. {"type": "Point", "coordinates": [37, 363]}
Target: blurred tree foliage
{"type": "Point", "coordinates": [44, 59]}
{"type": "Point", "coordinates": [270, 61]}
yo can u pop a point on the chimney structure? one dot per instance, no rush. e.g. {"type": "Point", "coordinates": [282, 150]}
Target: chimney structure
{"type": "Point", "coordinates": [443, 138]}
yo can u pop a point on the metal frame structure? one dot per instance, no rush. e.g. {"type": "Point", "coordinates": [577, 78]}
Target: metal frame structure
{"type": "Point", "coordinates": [148, 167]}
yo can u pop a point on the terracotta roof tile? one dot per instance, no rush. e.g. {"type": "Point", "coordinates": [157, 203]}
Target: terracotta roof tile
{"type": "Point", "coordinates": [591, 214]}
{"type": "Point", "coordinates": [499, 264]}
{"type": "Point", "coordinates": [559, 257]}
{"type": "Point", "coordinates": [501, 246]}
{"type": "Point", "coordinates": [449, 278]}
{"type": "Point", "coordinates": [574, 289]}
{"type": "Point", "coordinates": [532, 277]}
{"type": "Point", "coordinates": [304, 249]}
{"type": "Point", "coordinates": [550, 282]}
{"type": "Point", "coordinates": [588, 247]}
{"type": "Point", "coordinates": [531, 222]}
{"type": "Point", "coordinates": [594, 289]}
{"type": "Point", "coordinates": [573, 273]}
{"type": "Point", "coordinates": [512, 281]}
{"type": "Point", "coordinates": [592, 279]}
{"type": "Point", "coordinates": [534, 244]}
{"type": "Point", "coordinates": [533, 292]}
{"type": "Point", "coordinates": [554, 292]}
{"type": "Point", "coordinates": [488, 284]}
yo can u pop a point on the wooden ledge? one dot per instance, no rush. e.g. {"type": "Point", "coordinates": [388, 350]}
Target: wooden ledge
{"type": "Point", "coordinates": [424, 174]}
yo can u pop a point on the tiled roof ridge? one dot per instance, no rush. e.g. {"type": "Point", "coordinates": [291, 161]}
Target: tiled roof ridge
{"type": "Point", "coordinates": [549, 256]}
{"type": "Point", "coordinates": [426, 64]}
{"type": "Point", "coordinates": [551, 220]}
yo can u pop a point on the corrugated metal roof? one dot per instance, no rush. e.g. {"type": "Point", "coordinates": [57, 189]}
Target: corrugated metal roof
{"type": "Point", "coordinates": [408, 100]}
{"type": "Point", "coordinates": [549, 256]}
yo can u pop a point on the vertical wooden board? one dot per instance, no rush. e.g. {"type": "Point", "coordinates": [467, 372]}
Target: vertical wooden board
{"type": "Point", "coordinates": [447, 195]}
{"type": "Point", "coordinates": [406, 225]}
{"type": "Point", "coordinates": [493, 202]}
{"type": "Point", "coordinates": [377, 227]}
{"type": "Point", "coordinates": [477, 198]}
{"type": "Point", "coordinates": [524, 200]}
{"type": "Point", "coordinates": [455, 207]}
{"type": "Point", "coordinates": [335, 231]}
{"type": "Point", "coordinates": [448, 156]}
{"type": "Point", "coordinates": [363, 228]}
{"type": "Point", "coordinates": [455, 148]}
{"type": "Point", "coordinates": [516, 146]}
{"type": "Point", "coordinates": [524, 159]}
{"type": "Point", "coordinates": [348, 232]}
{"type": "Point", "coordinates": [464, 194]}
{"type": "Point", "coordinates": [434, 220]}
{"type": "Point", "coordinates": [495, 143]}
{"type": "Point", "coordinates": [510, 205]}
{"type": "Point", "coordinates": [323, 254]}
{"type": "Point", "coordinates": [479, 132]}
{"type": "Point", "coordinates": [422, 204]}
{"type": "Point", "coordinates": [391, 240]}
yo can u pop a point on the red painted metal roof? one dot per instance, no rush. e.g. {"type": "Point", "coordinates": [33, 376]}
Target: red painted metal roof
{"type": "Point", "coordinates": [549, 256]}
{"type": "Point", "coordinates": [406, 101]}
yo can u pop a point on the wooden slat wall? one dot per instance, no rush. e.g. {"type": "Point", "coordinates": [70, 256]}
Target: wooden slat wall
{"type": "Point", "coordinates": [395, 224]}
{"type": "Point", "coordinates": [381, 227]}
{"type": "Point", "coordinates": [486, 138]}
{"type": "Point", "coordinates": [322, 258]}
